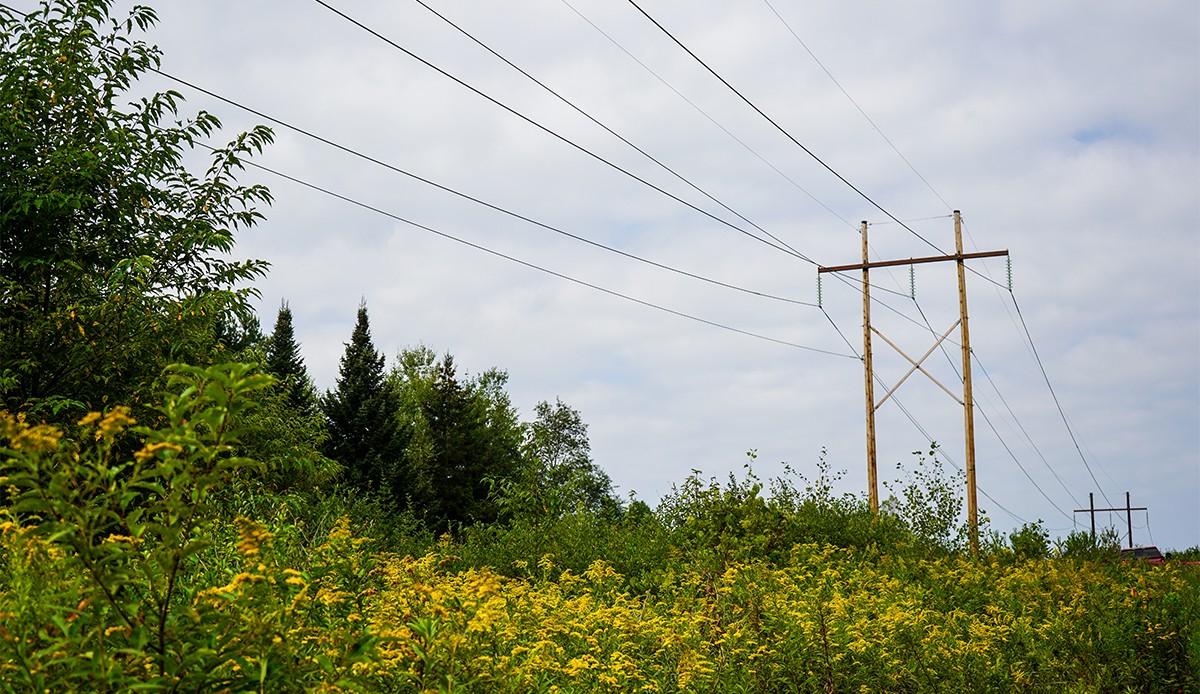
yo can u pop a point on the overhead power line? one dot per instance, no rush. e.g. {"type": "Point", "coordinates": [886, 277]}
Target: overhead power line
{"type": "Point", "coordinates": [777, 126]}
{"type": "Point", "coordinates": [1020, 426]}
{"type": "Point", "coordinates": [555, 134]}
{"type": "Point", "coordinates": [855, 103]}
{"type": "Point", "coordinates": [609, 130]}
{"type": "Point", "coordinates": [896, 399]}
{"type": "Point", "coordinates": [946, 455]}
{"type": "Point", "coordinates": [391, 167]}
{"type": "Point", "coordinates": [1057, 404]}
{"type": "Point", "coordinates": [704, 113]}
{"type": "Point", "coordinates": [498, 254]}
{"type": "Point", "coordinates": [1012, 455]}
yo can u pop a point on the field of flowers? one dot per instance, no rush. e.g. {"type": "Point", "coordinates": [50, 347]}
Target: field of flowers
{"type": "Point", "coordinates": [828, 620]}
{"type": "Point", "coordinates": [148, 571]}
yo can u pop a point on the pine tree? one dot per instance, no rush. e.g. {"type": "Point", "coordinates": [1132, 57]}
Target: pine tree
{"type": "Point", "coordinates": [361, 414]}
{"type": "Point", "coordinates": [284, 361]}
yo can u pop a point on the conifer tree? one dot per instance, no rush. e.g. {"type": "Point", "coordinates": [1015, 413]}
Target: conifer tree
{"type": "Point", "coordinates": [468, 445]}
{"type": "Point", "coordinates": [284, 361]}
{"type": "Point", "coordinates": [456, 474]}
{"type": "Point", "coordinates": [361, 414]}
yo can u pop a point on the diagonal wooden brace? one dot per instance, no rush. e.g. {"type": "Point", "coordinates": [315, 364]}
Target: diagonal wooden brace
{"type": "Point", "coordinates": [916, 365]}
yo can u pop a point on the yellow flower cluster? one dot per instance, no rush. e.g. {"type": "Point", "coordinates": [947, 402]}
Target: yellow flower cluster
{"type": "Point", "coordinates": [22, 436]}
{"type": "Point", "coordinates": [108, 424]}
{"type": "Point", "coordinates": [251, 537]}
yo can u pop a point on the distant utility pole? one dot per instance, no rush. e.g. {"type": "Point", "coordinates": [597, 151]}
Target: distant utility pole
{"type": "Point", "coordinates": [966, 401]}
{"type": "Point", "coordinates": [1092, 510]}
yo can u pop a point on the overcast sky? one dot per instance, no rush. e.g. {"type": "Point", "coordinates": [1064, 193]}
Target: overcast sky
{"type": "Point", "coordinates": [1067, 133]}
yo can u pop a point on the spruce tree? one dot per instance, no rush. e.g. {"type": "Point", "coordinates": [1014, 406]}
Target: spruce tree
{"type": "Point", "coordinates": [284, 361]}
{"type": "Point", "coordinates": [467, 450]}
{"type": "Point", "coordinates": [361, 413]}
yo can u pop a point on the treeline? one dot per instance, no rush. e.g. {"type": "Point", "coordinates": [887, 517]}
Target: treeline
{"type": "Point", "coordinates": [421, 438]}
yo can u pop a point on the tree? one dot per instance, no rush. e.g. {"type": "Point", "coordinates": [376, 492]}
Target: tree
{"type": "Point", "coordinates": [456, 473]}
{"type": "Point", "coordinates": [556, 443]}
{"type": "Point", "coordinates": [361, 413]}
{"type": "Point", "coordinates": [114, 258]}
{"type": "Point", "coordinates": [463, 434]}
{"type": "Point", "coordinates": [284, 361]}
{"type": "Point", "coordinates": [239, 335]}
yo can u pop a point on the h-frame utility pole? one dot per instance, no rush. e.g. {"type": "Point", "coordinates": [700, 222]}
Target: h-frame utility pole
{"type": "Point", "coordinates": [868, 374]}
{"type": "Point", "coordinates": [1092, 510]}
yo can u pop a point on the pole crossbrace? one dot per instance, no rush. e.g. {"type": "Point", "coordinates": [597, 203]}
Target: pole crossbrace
{"type": "Point", "coordinates": [916, 365]}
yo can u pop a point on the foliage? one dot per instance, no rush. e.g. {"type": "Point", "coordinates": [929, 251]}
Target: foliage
{"type": "Point", "coordinates": [114, 258]}
{"type": "Point", "coordinates": [1030, 541]}
{"type": "Point", "coordinates": [147, 599]}
{"type": "Point", "coordinates": [715, 525]}
{"type": "Point", "coordinates": [287, 443]}
{"type": "Point", "coordinates": [462, 434]}
{"type": "Point", "coordinates": [163, 581]}
{"type": "Point", "coordinates": [563, 477]}
{"type": "Point", "coordinates": [930, 504]}
{"type": "Point", "coordinates": [826, 619]}
{"type": "Point", "coordinates": [1079, 544]}
{"type": "Point", "coordinates": [1189, 554]}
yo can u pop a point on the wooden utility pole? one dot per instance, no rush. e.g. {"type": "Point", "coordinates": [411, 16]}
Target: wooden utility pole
{"type": "Point", "coordinates": [966, 401]}
{"type": "Point", "coordinates": [872, 477]}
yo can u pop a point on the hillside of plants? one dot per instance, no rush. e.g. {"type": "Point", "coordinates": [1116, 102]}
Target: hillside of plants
{"type": "Point", "coordinates": [181, 509]}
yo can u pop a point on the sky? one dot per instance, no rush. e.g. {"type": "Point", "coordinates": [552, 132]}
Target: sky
{"type": "Point", "coordinates": [1066, 132]}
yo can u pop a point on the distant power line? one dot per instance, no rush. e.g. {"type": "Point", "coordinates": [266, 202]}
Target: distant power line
{"type": "Point", "coordinates": [856, 105]}
{"type": "Point", "coordinates": [704, 113]}
{"type": "Point", "coordinates": [609, 130]}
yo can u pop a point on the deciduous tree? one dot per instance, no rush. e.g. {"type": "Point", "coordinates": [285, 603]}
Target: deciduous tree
{"type": "Point", "coordinates": [556, 444]}
{"type": "Point", "coordinates": [114, 257]}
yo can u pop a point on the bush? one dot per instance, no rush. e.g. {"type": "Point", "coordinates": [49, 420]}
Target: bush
{"type": "Point", "coordinates": [149, 595]}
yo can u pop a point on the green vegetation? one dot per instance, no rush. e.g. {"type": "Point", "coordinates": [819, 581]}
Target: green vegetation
{"type": "Point", "coordinates": [175, 517]}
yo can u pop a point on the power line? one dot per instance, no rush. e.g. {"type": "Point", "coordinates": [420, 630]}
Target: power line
{"type": "Point", "coordinates": [1018, 462]}
{"type": "Point", "coordinates": [778, 127]}
{"type": "Point", "coordinates": [465, 196]}
{"type": "Point", "coordinates": [704, 113]}
{"type": "Point", "coordinates": [344, 198]}
{"type": "Point", "coordinates": [1003, 443]}
{"type": "Point", "coordinates": [1028, 438]}
{"type": "Point", "coordinates": [548, 131]}
{"type": "Point", "coordinates": [1054, 395]}
{"type": "Point", "coordinates": [946, 455]}
{"type": "Point", "coordinates": [609, 130]}
{"type": "Point", "coordinates": [852, 101]}
{"type": "Point", "coordinates": [924, 433]}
